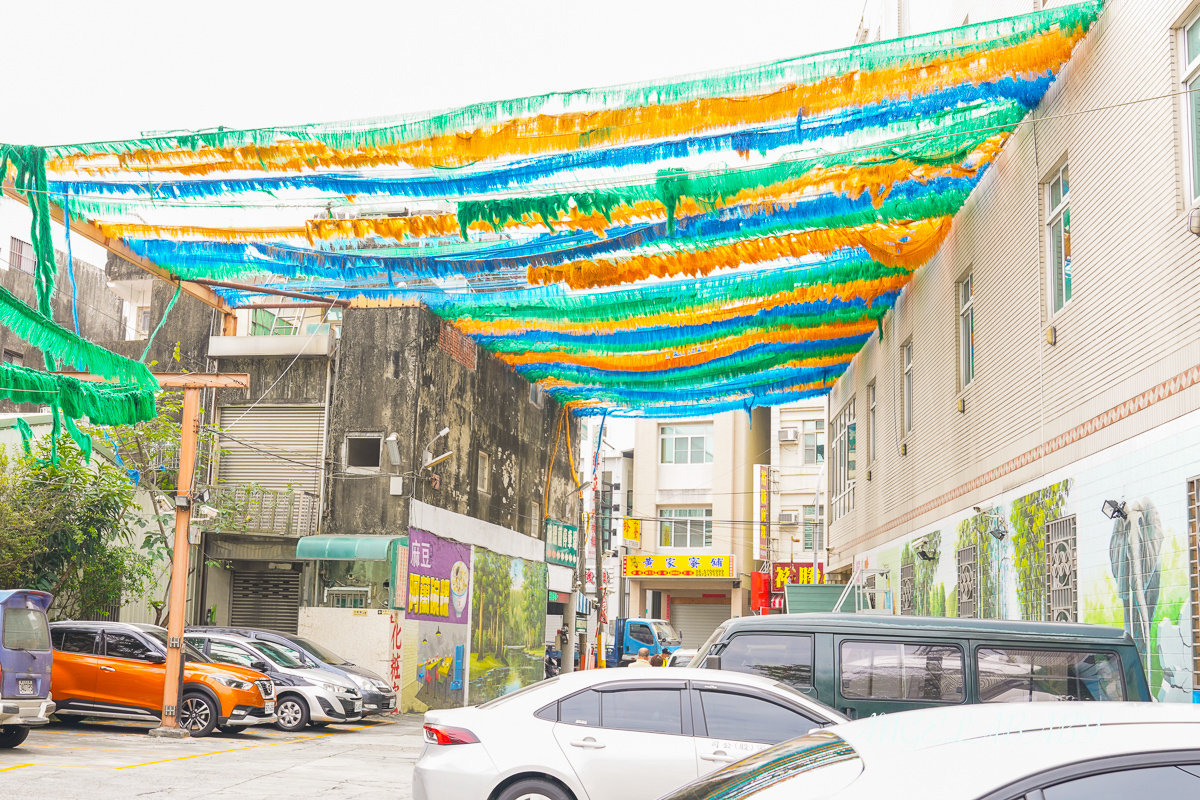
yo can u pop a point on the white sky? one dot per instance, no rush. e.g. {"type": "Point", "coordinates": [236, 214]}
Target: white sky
{"type": "Point", "coordinates": [82, 71]}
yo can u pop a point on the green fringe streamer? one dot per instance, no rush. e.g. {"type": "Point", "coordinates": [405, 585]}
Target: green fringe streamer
{"type": "Point", "coordinates": [82, 439]}
{"type": "Point", "coordinates": [102, 404]}
{"type": "Point", "coordinates": [158, 327]}
{"type": "Point", "coordinates": [911, 51]}
{"type": "Point", "coordinates": [30, 180]}
{"type": "Point", "coordinates": [26, 435]}
{"type": "Point", "coordinates": [64, 345]}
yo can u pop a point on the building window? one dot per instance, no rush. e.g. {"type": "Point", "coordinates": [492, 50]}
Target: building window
{"type": "Point", "coordinates": [906, 358]}
{"type": "Point", "coordinates": [842, 429]}
{"type": "Point", "coordinates": [14, 358]}
{"type": "Point", "coordinates": [20, 256]}
{"type": "Point", "coordinates": [363, 451]}
{"type": "Point", "coordinates": [686, 444]}
{"type": "Point", "coordinates": [535, 527]}
{"type": "Point", "coordinates": [814, 527]}
{"type": "Point", "coordinates": [1191, 83]}
{"type": "Point", "coordinates": [483, 473]}
{"type": "Point", "coordinates": [966, 330]}
{"type": "Point", "coordinates": [871, 424]}
{"type": "Point", "coordinates": [537, 395]}
{"type": "Point", "coordinates": [814, 441]}
{"type": "Point", "coordinates": [685, 527]}
{"type": "Point", "coordinates": [1059, 230]}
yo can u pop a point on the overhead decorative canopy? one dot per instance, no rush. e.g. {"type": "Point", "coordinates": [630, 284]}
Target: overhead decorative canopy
{"type": "Point", "coordinates": [721, 241]}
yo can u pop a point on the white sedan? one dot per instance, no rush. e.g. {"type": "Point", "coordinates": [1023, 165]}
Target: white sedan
{"type": "Point", "coordinates": [1003, 751]}
{"type": "Point", "coordinates": [608, 734]}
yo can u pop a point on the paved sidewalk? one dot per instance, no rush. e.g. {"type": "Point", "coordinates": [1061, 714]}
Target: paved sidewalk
{"type": "Point", "coordinates": [100, 761]}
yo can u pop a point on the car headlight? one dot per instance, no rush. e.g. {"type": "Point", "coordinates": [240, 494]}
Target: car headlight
{"type": "Point", "coordinates": [233, 683]}
{"type": "Point", "coordinates": [331, 687]}
{"type": "Point", "coordinates": [360, 681]}
{"type": "Point", "coordinates": [382, 685]}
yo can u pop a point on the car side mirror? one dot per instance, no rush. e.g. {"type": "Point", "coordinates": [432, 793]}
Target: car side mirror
{"type": "Point", "coordinates": [156, 658]}
{"type": "Point", "coordinates": [261, 666]}
{"type": "Point", "coordinates": [712, 662]}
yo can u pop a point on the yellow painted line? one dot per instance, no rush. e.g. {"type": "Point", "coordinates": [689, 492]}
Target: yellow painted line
{"type": "Point", "coordinates": [230, 750]}
{"type": "Point", "coordinates": [71, 747]}
{"type": "Point", "coordinates": [15, 766]}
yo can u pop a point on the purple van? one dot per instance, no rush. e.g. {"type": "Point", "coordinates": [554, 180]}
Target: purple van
{"type": "Point", "coordinates": [25, 661]}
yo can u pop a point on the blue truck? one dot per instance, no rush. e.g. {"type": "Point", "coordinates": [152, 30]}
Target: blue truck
{"type": "Point", "coordinates": [25, 662]}
{"type": "Point", "coordinates": [631, 635]}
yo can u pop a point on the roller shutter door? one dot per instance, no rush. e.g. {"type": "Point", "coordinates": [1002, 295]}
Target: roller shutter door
{"type": "Point", "coordinates": [273, 446]}
{"type": "Point", "coordinates": [266, 600]}
{"type": "Point", "coordinates": [696, 622]}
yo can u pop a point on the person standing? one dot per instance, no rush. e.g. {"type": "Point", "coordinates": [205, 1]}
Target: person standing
{"type": "Point", "coordinates": [643, 658]}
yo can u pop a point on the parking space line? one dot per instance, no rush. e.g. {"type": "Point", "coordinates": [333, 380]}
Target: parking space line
{"type": "Point", "coordinates": [14, 766]}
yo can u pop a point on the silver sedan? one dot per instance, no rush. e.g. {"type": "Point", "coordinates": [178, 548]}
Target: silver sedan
{"type": "Point", "coordinates": [608, 734]}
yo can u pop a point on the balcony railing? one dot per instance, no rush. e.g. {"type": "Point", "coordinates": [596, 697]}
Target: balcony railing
{"type": "Point", "coordinates": [256, 509]}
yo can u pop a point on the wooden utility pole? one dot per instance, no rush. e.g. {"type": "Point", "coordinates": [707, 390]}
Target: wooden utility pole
{"type": "Point", "coordinates": [192, 384]}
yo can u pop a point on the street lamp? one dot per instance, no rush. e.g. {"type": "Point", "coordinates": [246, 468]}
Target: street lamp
{"type": "Point", "coordinates": [427, 458]}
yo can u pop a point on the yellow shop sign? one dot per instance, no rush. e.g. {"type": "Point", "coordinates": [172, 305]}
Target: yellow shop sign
{"type": "Point", "coordinates": [679, 566]}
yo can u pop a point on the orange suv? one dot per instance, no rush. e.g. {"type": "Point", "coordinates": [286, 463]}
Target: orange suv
{"type": "Point", "coordinates": [116, 670]}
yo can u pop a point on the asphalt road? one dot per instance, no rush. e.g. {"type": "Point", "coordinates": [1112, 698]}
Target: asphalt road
{"type": "Point", "coordinates": [98, 761]}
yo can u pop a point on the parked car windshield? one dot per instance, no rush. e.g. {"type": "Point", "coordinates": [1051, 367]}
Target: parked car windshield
{"type": "Point", "coordinates": [26, 629]}
{"type": "Point", "coordinates": [666, 634]}
{"type": "Point", "coordinates": [702, 653]}
{"type": "Point", "coordinates": [277, 654]}
{"type": "Point", "coordinates": [327, 656]}
{"type": "Point", "coordinates": [189, 653]}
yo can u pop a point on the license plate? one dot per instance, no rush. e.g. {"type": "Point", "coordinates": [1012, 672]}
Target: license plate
{"type": "Point", "coordinates": [269, 706]}
{"type": "Point", "coordinates": [25, 687]}
{"type": "Point", "coordinates": [390, 704]}
{"type": "Point", "coordinates": [358, 705]}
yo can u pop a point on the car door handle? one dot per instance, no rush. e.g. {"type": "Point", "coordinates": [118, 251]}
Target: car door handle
{"type": "Point", "coordinates": [108, 669]}
{"type": "Point", "coordinates": [588, 744]}
{"type": "Point", "coordinates": [720, 755]}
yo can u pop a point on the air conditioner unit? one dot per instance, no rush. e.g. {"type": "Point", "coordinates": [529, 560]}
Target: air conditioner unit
{"type": "Point", "coordinates": [789, 435]}
{"type": "Point", "coordinates": [789, 518]}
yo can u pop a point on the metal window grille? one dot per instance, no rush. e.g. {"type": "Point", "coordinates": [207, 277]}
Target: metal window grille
{"type": "Point", "coordinates": [21, 257]}
{"type": "Point", "coordinates": [968, 582]}
{"type": "Point", "coordinates": [1061, 571]}
{"type": "Point", "coordinates": [908, 586]}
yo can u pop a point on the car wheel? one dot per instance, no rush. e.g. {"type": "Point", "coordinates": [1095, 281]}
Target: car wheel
{"type": "Point", "coordinates": [292, 712]}
{"type": "Point", "coordinates": [198, 714]}
{"type": "Point", "coordinates": [534, 789]}
{"type": "Point", "coordinates": [12, 735]}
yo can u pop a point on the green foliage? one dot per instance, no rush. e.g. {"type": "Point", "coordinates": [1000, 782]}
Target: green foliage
{"type": "Point", "coordinates": [1029, 516]}
{"type": "Point", "coordinates": [928, 600]}
{"type": "Point", "coordinates": [68, 528]}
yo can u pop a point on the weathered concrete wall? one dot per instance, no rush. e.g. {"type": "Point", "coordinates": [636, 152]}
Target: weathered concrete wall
{"type": "Point", "coordinates": [394, 376]}
{"type": "Point", "coordinates": [188, 325]}
{"type": "Point", "coordinates": [99, 312]}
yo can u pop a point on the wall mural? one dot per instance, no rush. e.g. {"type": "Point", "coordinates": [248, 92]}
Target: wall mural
{"type": "Point", "coordinates": [508, 621]}
{"type": "Point", "coordinates": [439, 591]}
{"type": "Point", "coordinates": [1060, 557]}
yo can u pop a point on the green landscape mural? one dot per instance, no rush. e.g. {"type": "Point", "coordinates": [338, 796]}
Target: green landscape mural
{"type": "Point", "coordinates": [508, 613]}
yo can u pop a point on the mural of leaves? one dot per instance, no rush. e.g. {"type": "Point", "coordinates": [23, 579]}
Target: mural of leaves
{"type": "Point", "coordinates": [929, 600]}
{"type": "Point", "coordinates": [974, 531]}
{"type": "Point", "coordinates": [1028, 517]}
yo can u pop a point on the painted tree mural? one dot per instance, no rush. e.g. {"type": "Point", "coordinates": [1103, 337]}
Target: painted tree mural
{"type": "Point", "coordinates": [929, 599]}
{"type": "Point", "coordinates": [1029, 516]}
{"type": "Point", "coordinates": [989, 599]}
{"type": "Point", "coordinates": [1135, 555]}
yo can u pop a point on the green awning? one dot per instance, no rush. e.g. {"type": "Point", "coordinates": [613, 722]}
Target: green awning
{"type": "Point", "coordinates": [347, 548]}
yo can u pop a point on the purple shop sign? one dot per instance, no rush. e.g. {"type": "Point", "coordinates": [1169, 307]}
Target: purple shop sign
{"type": "Point", "coordinates": [439, 578]}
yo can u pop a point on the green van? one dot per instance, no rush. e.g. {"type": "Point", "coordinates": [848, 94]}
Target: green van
{"type": "Point", "coordinates": [865, 664]}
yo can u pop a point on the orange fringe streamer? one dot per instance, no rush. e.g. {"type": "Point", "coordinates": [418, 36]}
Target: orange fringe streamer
{"type": "Point", "coordinates": [556, 133]}
{"type": "Point", "coordinates": [882, 242]}
{"type": "Point", "coordinates": [700, 315]}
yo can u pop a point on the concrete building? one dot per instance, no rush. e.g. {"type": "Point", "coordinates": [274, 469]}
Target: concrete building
{"type": "Point", "coordinates": [1021, 439]}
{"type": "Point", "coordinates": [797, 500]}
{"type": "Point", "coordinates": [693, 491]}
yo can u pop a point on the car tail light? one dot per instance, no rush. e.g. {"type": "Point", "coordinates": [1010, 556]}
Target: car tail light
{"type": "Point", "coordinates": [444, 734]}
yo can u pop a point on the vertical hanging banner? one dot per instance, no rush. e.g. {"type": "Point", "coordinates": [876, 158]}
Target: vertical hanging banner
{"type": "Point", "coordinates": [631, 532]}
{"type": "Point", "coordinates": [762, 519]}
